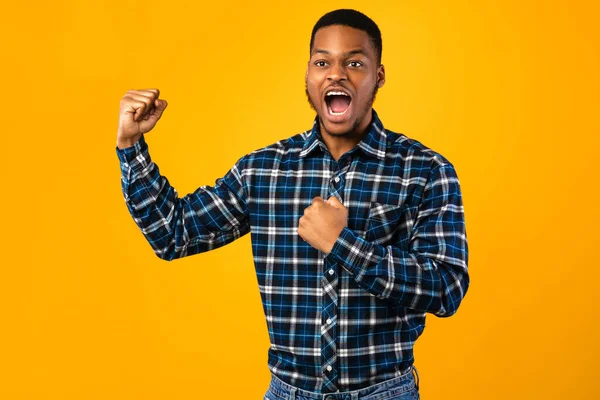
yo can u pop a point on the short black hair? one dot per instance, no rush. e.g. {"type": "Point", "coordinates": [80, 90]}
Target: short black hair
{"type": "Point", "coordinates": [353, 19]}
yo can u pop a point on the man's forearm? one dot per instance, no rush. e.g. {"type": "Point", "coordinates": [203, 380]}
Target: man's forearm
{"type": "Point", "coordinates": [417, 281]}
{"type": "Point", "coordinates": [177, 227]}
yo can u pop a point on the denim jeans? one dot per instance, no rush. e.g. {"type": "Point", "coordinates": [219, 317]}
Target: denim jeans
{"type": "Point", "coordinates": [403, 387]}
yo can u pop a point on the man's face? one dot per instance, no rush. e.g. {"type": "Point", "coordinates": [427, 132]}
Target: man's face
{"type": "Point", "coordinates": [343, 61]}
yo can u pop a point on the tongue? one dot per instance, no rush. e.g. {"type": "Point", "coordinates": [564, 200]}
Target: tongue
{"type": "Point", "coordinates": [339, 103]}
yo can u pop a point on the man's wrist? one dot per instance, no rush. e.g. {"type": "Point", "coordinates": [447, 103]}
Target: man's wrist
{"type": "Point", "coordinates": [332, 244]}
{"type": "Point", "coordinates": [125, 143]}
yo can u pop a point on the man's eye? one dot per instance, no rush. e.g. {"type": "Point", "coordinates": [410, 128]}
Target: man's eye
{"type": "Point", "coordinates": [355, 64]}
{"type": "Point", "coordinates": [320, 63]}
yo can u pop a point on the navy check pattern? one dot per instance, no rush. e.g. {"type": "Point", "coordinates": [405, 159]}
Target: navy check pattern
{"type": "Point", "coordinates": [339, 321]}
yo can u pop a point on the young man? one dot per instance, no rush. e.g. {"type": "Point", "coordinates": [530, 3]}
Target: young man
{"type": "Point", "coordinates": [357, 231]}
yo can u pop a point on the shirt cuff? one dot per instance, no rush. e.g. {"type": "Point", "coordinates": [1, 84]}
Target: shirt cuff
{"type": "Point", "coordinates": [136, 157]}
{"type": "Point", "coordinates": [353, 253]}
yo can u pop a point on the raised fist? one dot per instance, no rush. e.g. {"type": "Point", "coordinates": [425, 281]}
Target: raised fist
{"type": "Point", "coordinates": [139, 112]}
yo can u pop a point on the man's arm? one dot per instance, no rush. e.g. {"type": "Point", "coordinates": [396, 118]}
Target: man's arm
{"type": "Point", "coordinates": [431, 275]}
{"type": "Point", "coordinates": [206, 219]}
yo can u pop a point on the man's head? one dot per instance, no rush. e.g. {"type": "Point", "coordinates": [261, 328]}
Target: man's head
{"type": "Point", "coordinates": [353, 19]}
{"type": "Point", "coordinates": [345, 58]}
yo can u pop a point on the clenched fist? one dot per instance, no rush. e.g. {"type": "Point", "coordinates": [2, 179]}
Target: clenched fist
{"type": "Point", "coordinates": [322, 223]}
{"type": "Point", "coordinates": [138, 114]}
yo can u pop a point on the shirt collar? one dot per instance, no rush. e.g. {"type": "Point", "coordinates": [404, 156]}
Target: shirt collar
{"type": "Point", "coordinates": [374, 143]}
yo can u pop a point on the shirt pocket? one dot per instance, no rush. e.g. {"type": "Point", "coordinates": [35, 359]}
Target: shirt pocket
{"type": "Point", "coordinates": [389, 224]}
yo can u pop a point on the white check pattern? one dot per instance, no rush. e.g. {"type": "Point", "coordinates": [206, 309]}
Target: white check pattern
{"type": "Point", "coordinates": [339, 321]}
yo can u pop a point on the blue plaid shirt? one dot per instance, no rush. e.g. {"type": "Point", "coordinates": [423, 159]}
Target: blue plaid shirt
{"type": "Point", "coordinates": [339, 321]}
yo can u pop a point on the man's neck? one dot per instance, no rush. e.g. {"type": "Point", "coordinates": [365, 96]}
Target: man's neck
{"type": "Point", "coordinates": [340, 144]}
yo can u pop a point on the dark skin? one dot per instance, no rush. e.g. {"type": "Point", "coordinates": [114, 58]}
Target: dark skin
{"type": "Point", "coordinates": [342, 59]}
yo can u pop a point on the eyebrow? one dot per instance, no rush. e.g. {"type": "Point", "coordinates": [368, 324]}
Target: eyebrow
{"type": "Point", "coordinates": [346, 54]}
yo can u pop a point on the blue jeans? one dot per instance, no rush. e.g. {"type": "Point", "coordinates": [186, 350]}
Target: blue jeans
{"type": "Point", "coordinates": [403, 387]}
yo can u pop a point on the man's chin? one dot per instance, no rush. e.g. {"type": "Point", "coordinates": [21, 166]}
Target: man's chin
{"type": "Point", "coordinates": [336, 129]}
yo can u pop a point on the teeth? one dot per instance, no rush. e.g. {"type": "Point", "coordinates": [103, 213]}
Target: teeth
{"type": "Point", "coordinates": [336, 94]}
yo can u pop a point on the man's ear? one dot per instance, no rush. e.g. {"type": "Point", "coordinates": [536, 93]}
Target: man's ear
{"type": "Point", "coordinates": [306, 74]}
{"type": "Point", "coordinates": [380, 76]}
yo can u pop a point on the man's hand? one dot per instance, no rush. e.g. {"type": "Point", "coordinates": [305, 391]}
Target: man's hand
{"type": "Point", "coordinates": [322, 223]}
{"type": "Point", "coordinates": [139, 112]}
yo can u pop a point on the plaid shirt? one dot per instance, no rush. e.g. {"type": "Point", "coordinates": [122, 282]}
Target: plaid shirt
{"type": "Point", "coordinates": [339, 321]}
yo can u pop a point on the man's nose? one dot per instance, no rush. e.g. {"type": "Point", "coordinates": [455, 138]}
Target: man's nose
{"type": "Point", "coordinates": [337, 72]}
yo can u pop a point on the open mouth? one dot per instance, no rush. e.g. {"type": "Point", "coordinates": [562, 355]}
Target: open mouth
{"type": "Point", "coordinates": [338, 102]}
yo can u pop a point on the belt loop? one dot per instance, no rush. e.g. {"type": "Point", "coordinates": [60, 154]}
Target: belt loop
{"type": "Point", "coordinates": [417, 376]}
{"type": "Point", "coordinates": [354, 395]}
{"type": "Point", "coordinates": [293, 393]}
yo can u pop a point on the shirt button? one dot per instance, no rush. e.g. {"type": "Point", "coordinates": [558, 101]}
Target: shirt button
{"type": "Point", "coordinates": [329, 368]}
{"type": "Point", "coordinates": [337, 179]}
{"type": "Point", "coordinates": [330, 272]}
{"type": "Point", "coordinates": [328, 320]}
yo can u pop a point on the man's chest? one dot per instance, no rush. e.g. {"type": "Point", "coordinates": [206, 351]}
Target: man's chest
{"type": "Point", "coordinates": [380, 196]}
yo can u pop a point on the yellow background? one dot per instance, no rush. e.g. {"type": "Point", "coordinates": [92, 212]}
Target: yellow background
{"type": "Point", "coordinates": [508, 91]}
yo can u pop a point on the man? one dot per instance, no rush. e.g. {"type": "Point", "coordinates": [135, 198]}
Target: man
{"type": "Point", "coordinates": [357, 231]}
